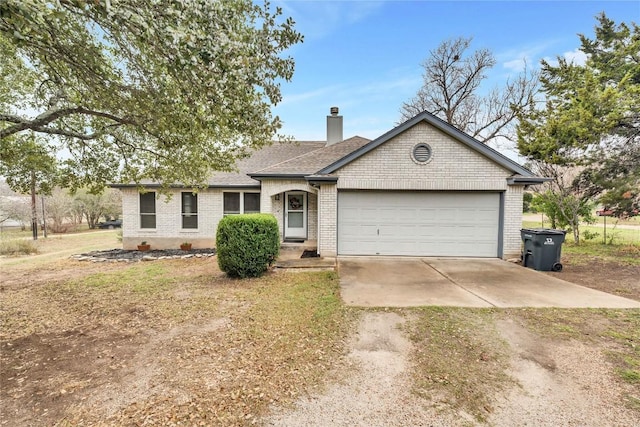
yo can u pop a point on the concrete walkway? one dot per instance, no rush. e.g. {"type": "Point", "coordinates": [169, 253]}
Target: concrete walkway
{"type": "Point", "coordinates": [461, 282]}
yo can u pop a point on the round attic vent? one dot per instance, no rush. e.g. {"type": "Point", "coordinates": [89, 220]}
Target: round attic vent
{"type": "Point", "coordinates": [421, 153]}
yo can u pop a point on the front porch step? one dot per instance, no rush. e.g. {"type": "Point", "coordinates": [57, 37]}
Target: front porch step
{"type": "Point", "coordinates": [290, 257]}
{"type": "Point", "coordinates": [301, 246]}
{"type": "Point", "coordinates": [306, 264]}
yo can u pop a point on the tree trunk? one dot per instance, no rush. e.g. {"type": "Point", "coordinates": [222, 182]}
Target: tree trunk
{"type": "Point", "coordinates": [34, 210]}
{"type": "Point", "coordinates": [575, 226]}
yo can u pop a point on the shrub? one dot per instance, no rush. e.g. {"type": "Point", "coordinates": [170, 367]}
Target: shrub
{"type": "Point", "coordinates": [247, 244]}
{"type": "Point", "coordinates": [17, 247]}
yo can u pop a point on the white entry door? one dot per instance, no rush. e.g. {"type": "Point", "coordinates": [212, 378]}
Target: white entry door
{"type": "Point", "coordinates": [295, 215]}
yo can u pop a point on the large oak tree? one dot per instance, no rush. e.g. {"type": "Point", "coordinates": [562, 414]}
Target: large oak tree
{"type": "Point", "coordinates": [133, 91]}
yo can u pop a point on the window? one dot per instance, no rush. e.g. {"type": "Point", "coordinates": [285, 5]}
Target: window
{"type": "Point", "coordinates": [251, 202]}
{"type": "Point", "coordinates": [148, 210]}
{"type": "Point", "coordinates": [189, 210]}
{"type": "Point", "coordinates": [241, 202]}
{"type": "Point", "coordinates": [231, 203]}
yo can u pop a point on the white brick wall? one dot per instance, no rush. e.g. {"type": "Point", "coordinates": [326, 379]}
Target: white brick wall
{"type": "Point", "coordinates": [271, 187]}
{"type": "Point", "coordinates": [512, 222]}
{"type": "Point", "coordinates": [312, 219]}
{"type": "Point", "coordinates": [328, 220]}
{"type": "Point", "coordinates": [389, 167]}
{"type": "Point", "coordinates": [453, 166]}
{"type": "Point", "coordinates": [169, 233]}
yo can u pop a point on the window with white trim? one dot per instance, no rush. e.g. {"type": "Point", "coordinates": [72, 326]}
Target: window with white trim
{"type": "Point", "coordinates": [148, 210]}
{"type": "Point", "coordinates": [189, 210]}
{"type": "Point", "coordinates": [240, 202]}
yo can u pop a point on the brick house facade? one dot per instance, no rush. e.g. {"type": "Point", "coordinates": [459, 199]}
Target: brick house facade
{"type": "Point", "coordinates": [423, 189]}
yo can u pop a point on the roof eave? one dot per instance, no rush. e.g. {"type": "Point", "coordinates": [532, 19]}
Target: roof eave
{"type": "Point", "coordinates": [260, 176]}
{"type": "Point", "coordinates": [318, 180]}
{"type": "Point", "coordinates": [256, 185]}
{"type": "Point", "coordinates": [528, 180]}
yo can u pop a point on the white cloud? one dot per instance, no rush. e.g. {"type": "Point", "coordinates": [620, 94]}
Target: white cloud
{"type": "Point", "coordinates": [318, 19]}
{"type": "Point", "coordinates": [306, 96]}
{"type": "Point", "coordinates": [515, 60]}
{"type": "Point", "coordinates": [517, 65]}
{"type": "Point", "coordinates": [363, 92]}
{"type": "Point", "coordinates": [575, 57]}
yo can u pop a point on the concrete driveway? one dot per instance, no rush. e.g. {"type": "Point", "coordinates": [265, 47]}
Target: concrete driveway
{"type": "Point", "coordinates": [461, 282]}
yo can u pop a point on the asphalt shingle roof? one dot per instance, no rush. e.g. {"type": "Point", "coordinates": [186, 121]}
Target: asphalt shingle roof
{"type": "Point", "coordinates": [311, 162]}
{"type": "Point", "coordinates": [273, 154]}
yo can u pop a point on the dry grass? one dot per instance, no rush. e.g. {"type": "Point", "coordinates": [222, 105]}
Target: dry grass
{"type": "Point", "coordinates": [183, 343]}
{"type": "Point", "coordinates": [178, 343]}
{"type": "Point", "coordinates": [17, 247]}
{"type": "Point", "coordinates": [460, 361]}
{"type": "Point", "coordinates": [56, 247]}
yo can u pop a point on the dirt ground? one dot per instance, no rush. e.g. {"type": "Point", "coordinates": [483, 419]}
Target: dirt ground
{"type": "Point", "coordinates": [95, 369]}
{"type": "Point", "coordinates": [555, 384]}
{"type": "Point", "coordinates": [606, 276]}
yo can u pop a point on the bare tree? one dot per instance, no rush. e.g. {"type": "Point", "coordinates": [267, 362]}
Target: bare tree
{"type": "Point", "coordinates": [451, 91]}
{"type": "Point", "coordinates": [58, 207]}
{"type": "Point", "coordinates": [564, 203]}
{"type": "Point", "coordinates": [15, 208]}
{"type": "Point", "coordinates": [93, 206]}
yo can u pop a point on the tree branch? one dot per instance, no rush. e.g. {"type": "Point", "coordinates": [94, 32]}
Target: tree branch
{"type": "Point", "coordinates": [39, 124]}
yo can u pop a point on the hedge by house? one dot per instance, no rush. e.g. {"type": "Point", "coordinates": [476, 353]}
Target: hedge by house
{"type": "Point", "coordinates": [247, 244]}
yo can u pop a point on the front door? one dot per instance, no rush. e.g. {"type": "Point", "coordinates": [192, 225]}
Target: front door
{"type": "Point", "coordinates": [295, 215]}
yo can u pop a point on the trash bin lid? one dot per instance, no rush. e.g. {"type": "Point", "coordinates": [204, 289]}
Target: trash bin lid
{"type": "Point", "coordinates": [543, 231]}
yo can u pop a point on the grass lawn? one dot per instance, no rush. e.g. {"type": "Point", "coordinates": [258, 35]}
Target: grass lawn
{"type": "Point", "coordinates": [617, 236]}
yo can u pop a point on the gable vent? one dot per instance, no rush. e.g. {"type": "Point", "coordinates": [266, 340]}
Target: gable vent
{"type": "Point", "coordinates": [421, 153]}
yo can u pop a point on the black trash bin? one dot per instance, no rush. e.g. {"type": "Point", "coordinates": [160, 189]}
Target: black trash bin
{"type": "Point", "coordinates": [542, 247]}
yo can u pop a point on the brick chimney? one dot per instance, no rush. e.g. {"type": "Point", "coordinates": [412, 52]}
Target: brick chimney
{"type": "Point", "coordinates": [334, 127]}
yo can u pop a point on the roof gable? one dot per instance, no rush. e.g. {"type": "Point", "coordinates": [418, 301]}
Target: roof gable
{"type": "Point", "coordinates": [444, 127]}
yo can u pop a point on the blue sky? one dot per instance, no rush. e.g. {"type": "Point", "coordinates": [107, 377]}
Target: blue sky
{"type": "Point", "coordinates": [365, 56]}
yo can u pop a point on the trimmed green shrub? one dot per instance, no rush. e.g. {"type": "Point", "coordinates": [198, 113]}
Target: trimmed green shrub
{"type": "Point", "coordinates": [247, 244]}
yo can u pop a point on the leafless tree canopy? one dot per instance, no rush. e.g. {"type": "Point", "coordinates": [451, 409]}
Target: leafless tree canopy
{"type": "Point", "coordinates": [452, 78]}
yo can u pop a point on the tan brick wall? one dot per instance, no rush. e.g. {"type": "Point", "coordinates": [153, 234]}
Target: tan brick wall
{"type": "Point", "coordinates": [327, 220]}
{"type": "Point", "coordinates": [312, 219]}
{"type": "Point", "coordinates": [512, 222]}
{"type": "Point", "coordinates": [169, 233]}
{"type": "Point", "coordinates": [453, 166]}
{"type": "Point", "coordinates": [271, 187]}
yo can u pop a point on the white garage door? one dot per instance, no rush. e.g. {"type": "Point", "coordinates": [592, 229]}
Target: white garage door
{"type": "Point", "coordinates": [418, 223]}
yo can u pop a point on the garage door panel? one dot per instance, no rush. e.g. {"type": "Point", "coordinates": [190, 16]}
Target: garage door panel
{"type": "Point", "coordinates": [418, 223]}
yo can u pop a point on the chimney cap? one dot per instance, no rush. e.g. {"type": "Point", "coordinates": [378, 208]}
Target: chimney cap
{"type": "Point", "coordinates": [334, 111]}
